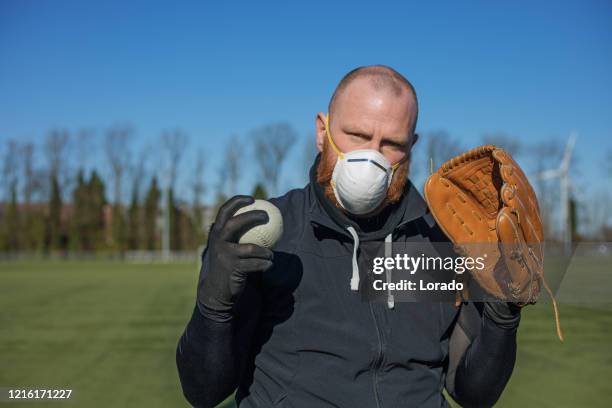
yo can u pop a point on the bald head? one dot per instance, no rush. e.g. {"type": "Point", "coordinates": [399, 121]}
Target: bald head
{"type": "Point", "coordinates": [382, 79]}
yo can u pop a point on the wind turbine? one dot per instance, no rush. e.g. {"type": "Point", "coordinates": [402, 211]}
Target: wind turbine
{"type": "Point", "coordinates": [562, 173]}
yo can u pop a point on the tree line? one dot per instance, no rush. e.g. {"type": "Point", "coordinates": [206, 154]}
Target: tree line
{"type": "Point", "coordinates": [103, 191]}
{"type": "Point", "coordinates": [70, 193]}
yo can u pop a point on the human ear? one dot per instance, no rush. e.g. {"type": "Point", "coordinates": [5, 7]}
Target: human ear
{"type": "Point", "coordinates": [320, 127]}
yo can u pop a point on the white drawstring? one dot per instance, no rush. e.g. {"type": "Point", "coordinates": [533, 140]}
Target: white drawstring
{"type": "Point", "coordinates": [355, 276]}
{"type": "Point", "coordinates": [389, 272]}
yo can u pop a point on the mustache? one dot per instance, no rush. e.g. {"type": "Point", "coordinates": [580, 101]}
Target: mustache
{"type": "Point", "coordinates": [325, 169]}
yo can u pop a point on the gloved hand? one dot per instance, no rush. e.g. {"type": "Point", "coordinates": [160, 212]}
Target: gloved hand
{"type": "Point", "coordinates": [226, 264]}
{"type": "Point", "coordinates": [483, 197]}
{"type": "Point", "coordinates": [503, 314]}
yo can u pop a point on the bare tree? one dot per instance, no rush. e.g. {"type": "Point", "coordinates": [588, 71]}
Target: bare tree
{"type": "Point", "coordinates": [232, 163]}
{"type": "Point", "coordinates": [440, 148]}
{"type": "Point", "coordinates": [134, 230]}
{"type": "Point", "coordinates": [198, 186]}
{"type": "Point", "coordinates": [221, 186]}
{"type": "Point", "coordinates": [546, 155]}
{"type": "Point", "coordinates": [29, 183]}
{"type": "Point", "coordinates": [310, 151]}
{"type": "Point", "coordinates": [174, 143]}
{"type": "Point", "coordinates": [55, 150]}
{"type": "Point", "coordinates": [597, 214]}
{"type": "Point", "coordinates": [117, 143]}
{"type": "Point", "coordinates": [35, 179]}
{"type": "Point", "coordinates": [83, 144]}
{"type": "Point", "coordinates": [138, 170]}
{"type": "Point", "coordinates": [510, 144]}
{"type": "Point", "coordinates": [597, 210]}
{"type": "Point", "coordinates": [272, 143]}
{"type": "Point", "coordinates": [10, 167]}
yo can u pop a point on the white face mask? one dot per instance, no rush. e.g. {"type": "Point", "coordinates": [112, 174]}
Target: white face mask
{"type": "Point", "coordinates": [361, 178]}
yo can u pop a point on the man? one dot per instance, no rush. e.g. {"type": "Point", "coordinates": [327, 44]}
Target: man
{"type": "Point", "coordinates": [288, 328]}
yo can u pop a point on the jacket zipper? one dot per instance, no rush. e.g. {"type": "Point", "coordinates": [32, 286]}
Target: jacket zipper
{"type": "Point", "coordinates": [379, 358]}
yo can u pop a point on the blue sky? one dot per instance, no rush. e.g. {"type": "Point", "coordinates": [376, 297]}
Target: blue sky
{"type": "Point", "coordinates": [533, 70]}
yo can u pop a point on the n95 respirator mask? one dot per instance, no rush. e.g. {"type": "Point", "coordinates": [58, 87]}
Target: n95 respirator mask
{"type": "Point", "coordinates": [361, 178]}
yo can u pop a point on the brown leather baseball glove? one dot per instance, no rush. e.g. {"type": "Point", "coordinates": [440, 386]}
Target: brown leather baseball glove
{"type": "Point", "coordinates": [483, 202]}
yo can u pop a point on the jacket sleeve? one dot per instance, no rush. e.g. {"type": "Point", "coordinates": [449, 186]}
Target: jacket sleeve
{"type": "Point", "coordinates": [482, 353]}
{"type": "Point", "coordinates": [210, 353]}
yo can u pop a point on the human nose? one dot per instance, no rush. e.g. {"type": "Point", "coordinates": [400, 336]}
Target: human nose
{"type": "Point", "coordinates": [375, 145]}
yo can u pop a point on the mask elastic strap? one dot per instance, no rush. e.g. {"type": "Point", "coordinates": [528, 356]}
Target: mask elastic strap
{"type": "Point", "coordinates": [331, 141]}
{"type": "Point", "coordinates": [399, 163]}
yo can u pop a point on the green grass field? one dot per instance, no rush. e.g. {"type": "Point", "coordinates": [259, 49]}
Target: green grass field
{"type": "Point", "coordinates": [108, 331]}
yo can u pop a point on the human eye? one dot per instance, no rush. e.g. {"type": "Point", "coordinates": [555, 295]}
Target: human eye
{"type": "Point", "coordinates": [359, 137]}
{"type": "Point", "coordinates": [395, 146]}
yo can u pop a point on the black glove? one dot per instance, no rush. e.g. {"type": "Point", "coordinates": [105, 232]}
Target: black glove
{"type": "Point", "coordinates": [226, 263]}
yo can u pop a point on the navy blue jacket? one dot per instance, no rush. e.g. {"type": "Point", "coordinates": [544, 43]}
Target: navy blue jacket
{"type": "Point", "coordinates": [301, 338]}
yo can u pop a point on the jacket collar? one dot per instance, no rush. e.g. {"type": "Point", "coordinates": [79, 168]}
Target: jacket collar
{"type": "Point", "coordinates": [324, 213]}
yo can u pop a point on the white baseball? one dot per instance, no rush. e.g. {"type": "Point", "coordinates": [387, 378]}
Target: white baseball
{"type": "Point", "coordinates": [265, 235]}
